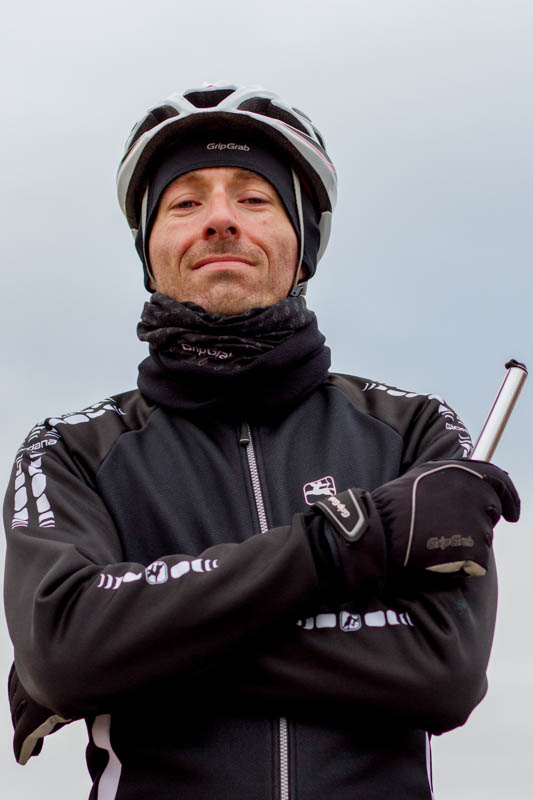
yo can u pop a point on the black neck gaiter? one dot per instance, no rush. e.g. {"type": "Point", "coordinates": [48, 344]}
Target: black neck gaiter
{"type": "Point", "coordinates": [260, 362]}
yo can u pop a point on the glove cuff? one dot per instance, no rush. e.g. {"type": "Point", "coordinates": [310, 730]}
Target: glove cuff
{"type": "Point", "coordinates": [355, 538]}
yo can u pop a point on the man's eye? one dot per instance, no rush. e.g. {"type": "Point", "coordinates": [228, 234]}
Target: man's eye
{"type": "Point", "coordinates": [183, 205]}
{"type": "Point", "coordinates": [254, 200]}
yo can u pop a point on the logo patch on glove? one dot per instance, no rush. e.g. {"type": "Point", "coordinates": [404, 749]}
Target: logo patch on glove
{"type": "Point", "coordinates": [444, 542]}
{"type": "Point", "coordinates": [346, 513]}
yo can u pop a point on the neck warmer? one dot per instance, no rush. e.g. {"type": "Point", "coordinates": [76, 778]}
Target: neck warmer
{"type": "Point", "coordinates": [260, 362]}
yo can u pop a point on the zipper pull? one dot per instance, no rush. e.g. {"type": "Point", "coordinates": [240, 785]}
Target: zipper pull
{"type": "Point", "coordinates": [245, 435]}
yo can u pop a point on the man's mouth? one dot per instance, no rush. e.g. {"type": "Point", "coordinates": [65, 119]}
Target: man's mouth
{"type": "Point", "coordinates": [221, 259]}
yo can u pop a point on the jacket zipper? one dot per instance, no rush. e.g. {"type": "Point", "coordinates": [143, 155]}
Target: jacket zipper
{"type": "Point", "coordinates": [283, 732]}
{"type": "Point", "coordinates": [283, 758]}
{"type": "Point", "coordinates": [246, 441]}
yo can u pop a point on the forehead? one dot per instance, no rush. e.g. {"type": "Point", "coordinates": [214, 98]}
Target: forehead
{"type": "Point", "coordinates": [210, 175]}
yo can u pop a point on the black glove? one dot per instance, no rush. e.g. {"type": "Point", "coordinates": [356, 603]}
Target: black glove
{"type": "Point", "coordinates": [438, 516]}
{"type": "Point", "coordinates": [31, 721]}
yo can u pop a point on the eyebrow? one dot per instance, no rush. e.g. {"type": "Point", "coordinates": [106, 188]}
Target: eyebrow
{"type": "Point", "coordinates": [241, 175]}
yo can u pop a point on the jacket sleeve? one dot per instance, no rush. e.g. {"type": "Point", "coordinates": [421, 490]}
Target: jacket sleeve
{"type": "Point", "coordinates": [417, 656]}
{"type": "Point", "coordinates": [86, 625]}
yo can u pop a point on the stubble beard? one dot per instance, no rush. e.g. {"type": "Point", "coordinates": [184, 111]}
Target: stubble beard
{"type": "Point", "coordinates": [228, 294]}
{"type": "Point", "coordinates": [231, 292]}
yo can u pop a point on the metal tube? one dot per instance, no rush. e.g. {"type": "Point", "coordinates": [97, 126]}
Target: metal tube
{"type": "Point", "coordinates": [500, 412]}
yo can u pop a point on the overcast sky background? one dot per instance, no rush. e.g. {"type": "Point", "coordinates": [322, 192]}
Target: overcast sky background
{"type": "Point", "coordinates": [427, 283]}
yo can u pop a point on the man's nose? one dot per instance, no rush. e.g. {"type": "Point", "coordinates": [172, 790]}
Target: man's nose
{"type": "Point", "coordinates": [221, 222]}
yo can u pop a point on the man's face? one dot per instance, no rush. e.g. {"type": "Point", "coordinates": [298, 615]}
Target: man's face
{"type": "Point", "coordinates": [222, 239]}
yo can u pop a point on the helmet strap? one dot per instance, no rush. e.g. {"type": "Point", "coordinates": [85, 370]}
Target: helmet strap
{"type": "Point", "coordinates": [146, 260]}
{"type": "Point", "coordinates": [297, 288]}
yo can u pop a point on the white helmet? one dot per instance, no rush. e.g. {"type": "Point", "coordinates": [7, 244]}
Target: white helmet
{"type": "Point", "coordinates": [235, 108]}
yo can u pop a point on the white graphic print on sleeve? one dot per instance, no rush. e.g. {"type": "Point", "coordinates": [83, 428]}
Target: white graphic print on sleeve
{"type": "Point", "coordinates": [157, 572]}
{"type": "Point", "coordinates": [350, 622]}
{"type": "Point", "coordinates": [30, 480]}
{"type": "Point", "coordinates": [91, 412]}
{"type": "Point", "coordinates": [451, 420]}
{"type": "Point", "coordinates": [453, 423]}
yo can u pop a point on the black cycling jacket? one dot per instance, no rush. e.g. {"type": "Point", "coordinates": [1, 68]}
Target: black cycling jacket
{"type": "Point", "coordinates": [161, 584]}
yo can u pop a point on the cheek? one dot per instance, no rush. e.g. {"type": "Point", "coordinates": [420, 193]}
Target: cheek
{"type": "Point", "coordinates": [283, 258]}
{"type": "Point", "coordinates": [165, 246]}
{"type": "Point", "coordinates": [286, 245]}
{"type": "Point", "coordinates": [155, 246]}
{"type": "Point", "coordinates": [293, 245]}
{"type": "Point", "coordinates": [280, 239]}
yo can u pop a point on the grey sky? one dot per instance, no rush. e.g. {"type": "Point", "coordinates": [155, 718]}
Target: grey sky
{"type": "Point", "coordinates": [427, 283]}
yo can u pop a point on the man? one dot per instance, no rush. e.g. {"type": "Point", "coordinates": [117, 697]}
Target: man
{"type": "Point", "coordinates": [251, 577]}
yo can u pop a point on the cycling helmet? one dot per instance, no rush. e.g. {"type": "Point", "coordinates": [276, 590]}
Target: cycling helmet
{"type": "Point", "coordinates": [233, 109]}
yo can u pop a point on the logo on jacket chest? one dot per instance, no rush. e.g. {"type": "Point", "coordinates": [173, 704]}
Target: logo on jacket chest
{"type": "Point", "coordinates": [316, 490]}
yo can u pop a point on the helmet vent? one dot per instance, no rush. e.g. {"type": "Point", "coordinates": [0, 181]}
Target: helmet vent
{"type": "Point", "coordinates": [262, 105]}
{"type": "Point", "coordinates": [155, 117]}
{"type": "Point", "coordinates": [208, 98]}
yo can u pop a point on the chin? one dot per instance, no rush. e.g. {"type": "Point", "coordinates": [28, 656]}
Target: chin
{"type": "Point", "coordinates": [232, 303]}
{"type": "Point", "coordinates": [230, 307]}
